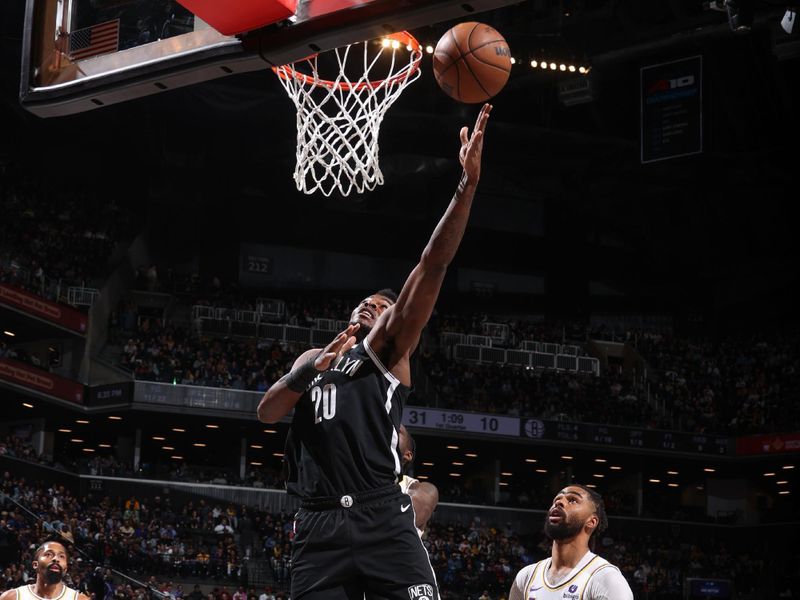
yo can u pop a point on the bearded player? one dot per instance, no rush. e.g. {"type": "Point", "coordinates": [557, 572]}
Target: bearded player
{"type": "Point", "coordinates": [50, 564]}
{"type": "Point", "coordinates": [575, 520]}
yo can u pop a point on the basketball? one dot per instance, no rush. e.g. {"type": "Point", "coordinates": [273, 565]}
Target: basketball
{"type": "Point", "coordinates": [472, 62]}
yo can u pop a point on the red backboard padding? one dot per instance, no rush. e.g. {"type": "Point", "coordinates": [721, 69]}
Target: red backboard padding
{"type": "Point", "coordinates": [230, 17]}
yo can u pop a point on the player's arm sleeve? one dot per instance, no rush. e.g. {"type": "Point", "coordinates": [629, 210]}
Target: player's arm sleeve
{"type": "Point", "coordinates": [517, 591]}
{"type": "Point", "coordinates": [609, 584]}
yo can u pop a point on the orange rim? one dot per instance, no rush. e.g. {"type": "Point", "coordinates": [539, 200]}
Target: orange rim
{"type": "Point", "coordinates": [405, 38]}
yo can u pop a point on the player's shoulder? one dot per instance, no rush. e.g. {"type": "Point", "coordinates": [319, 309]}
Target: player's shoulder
{"type": "Point", "coordinates": [9, 594]}
{"type": "Point", "coordinates": [607, 581]}
{"type": "Point", "coordinates": [526, 572]}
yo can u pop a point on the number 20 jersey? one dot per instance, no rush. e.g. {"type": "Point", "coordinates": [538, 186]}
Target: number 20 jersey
{"type": "Point", "coordinates": [344, 435]}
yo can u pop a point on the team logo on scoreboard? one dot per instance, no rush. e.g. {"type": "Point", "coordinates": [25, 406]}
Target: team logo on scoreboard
{"type": "Point", "coordinates": [534, 428]}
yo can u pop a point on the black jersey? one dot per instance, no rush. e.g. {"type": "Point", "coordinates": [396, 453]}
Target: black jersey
{"type": "Point", "coordinates": [345, 431]}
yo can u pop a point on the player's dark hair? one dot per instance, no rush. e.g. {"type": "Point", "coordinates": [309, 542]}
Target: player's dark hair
{"type": "Point", "coordinates": [40, 549]}
{"type": "Point", "coordinates": [600, 510]}
{"type": "Point", "coordinates": [387, 293]}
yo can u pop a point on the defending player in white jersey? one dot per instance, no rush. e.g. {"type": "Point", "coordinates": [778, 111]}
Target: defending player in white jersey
{"type": "Point", "coordinates": [50, 563]}
{"type": "Point", "coordinates": [573, 572]}
{"type": "Point", "coordinates": [424, 495]}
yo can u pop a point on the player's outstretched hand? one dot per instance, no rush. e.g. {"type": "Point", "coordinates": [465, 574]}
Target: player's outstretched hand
{"type": "Point", "coordinates": [472, 145]}
{"type": "Point", "coordinates": [333, 351]}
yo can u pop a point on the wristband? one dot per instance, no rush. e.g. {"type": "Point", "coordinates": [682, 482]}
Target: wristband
{"type": "Point", "coordinates": [300, 378]}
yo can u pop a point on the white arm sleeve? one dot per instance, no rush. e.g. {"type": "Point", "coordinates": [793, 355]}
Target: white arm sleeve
{"type": "Point", "coordinates": [518, 587]}
{"type": "Point", "coordinates": [608, 584]}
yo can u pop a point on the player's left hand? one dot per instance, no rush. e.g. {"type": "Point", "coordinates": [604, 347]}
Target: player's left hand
{"type": "Point", "coordinates": [333, 351]}
{"type": "Point", "coordinates": [471, 146]}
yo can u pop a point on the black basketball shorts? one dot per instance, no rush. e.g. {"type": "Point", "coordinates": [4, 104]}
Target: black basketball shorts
{"type": "Point", "coordinates": [367, 547]}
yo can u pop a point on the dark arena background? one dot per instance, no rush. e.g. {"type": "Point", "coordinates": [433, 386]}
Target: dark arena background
{"type": "Point", "coordinates": [622, 312]}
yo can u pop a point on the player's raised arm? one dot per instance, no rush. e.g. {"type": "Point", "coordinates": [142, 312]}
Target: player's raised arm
{"type": "Point", "coordinates": [404, 323]}
{"type": "Point", "coordinates": [281, 397]}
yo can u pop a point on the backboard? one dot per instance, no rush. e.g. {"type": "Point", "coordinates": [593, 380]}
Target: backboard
{"type": "Point", "coordinates": [79, 55]}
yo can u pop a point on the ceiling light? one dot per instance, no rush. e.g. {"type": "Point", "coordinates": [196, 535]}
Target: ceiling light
{"type": "Point", "coordinates": [114, 418]}
{"type": "Point", "coordinates": [615, 468]}
{"type": "Point", "coordinates": [784, 482]}
{"type": "Point", "coordinates": [571, 68]}
{"type": "Point", "coordinates": [541, 470]}
{"type": "Point", "coordinates": [167, 448]}
{"type": "Point", "coordinates": [158, 438]}
{"type": "Point", "coordinates": [672, 485]}
{"type": "Point", "coordinates": [429, 49]}
{"type": "Point", "coordinates": [177, 457]}
{"type": "Point", "coordinates": [654, 480]}
{"type": "Point", "coordinates": [562, 67]}
{"type": "Point", "coordinates": [270, 431]}
{"type": "Point", "coordinates": [553, 66]}
{"type": "Point", "coordinates": [709, 470]}
{"type": "Point", "coordinates": [10, 333]}
{"type": "Point", "coordinates": [27, 405]}
{"type": "Point", "coordinates": [672, 473]}
{"type": "Point", "coordinates": [503, 483]}
{"type": "Point", "coordinates": [530, 460]}
{"type": "Point", "coordinates": [178, 430]}
{"type": "Point", "coordinates": [428, 464]}
{"type": "Point", "coordinates": [88, 449]}
{"type": "Point", "coordinates": [700, 487]}
{"type": "Point", "coordinates": [385, 42]}
{"type": "Point", "coordinates": [567, 457]}
{"type": "Point", "coordinates": [787, 467]}
{"type": "Point", "coordinates": [769, 474]}
{"type": "Point", "coordinates": [422, 477]}
{"type": "Point", "coordinates": [255, 463]}
{"type": "Point", "coordinates": [199, 445]}
{"type": "Point", "coordinates": [471, 455]}
{"type": "Point", "coordinates": [543, 64]}
{"type": "Point", "coordinates": [76, 441]}
{"type": "Point", "coordinates": [458, 464]}
{"type": "Point", "coordinates": [507, 474]}
{"type": "Point", "coordinates": [278, 454]}
{"type": "Point", "coordinates": [104, 445]}
{"type": "Point", "coordinates": [455, 474]}
{"type": "Point", "coordinates": [395, 44]}
{"type": "Point", "coordinates": [591, 485]}
{"type": "Point", "coordinates": [452, 447]}
{"type": "Point", "coordinates": [257, 446]}
{"type": "Point", "coordinates": [600, 460]}
{"type": "Point", "coordinates": [783, 493]}
{"type": "Point", "coordinates": [582, 70]}
{"type": "Point", "coordinates": [210, 426]}
{"type": "Point", "coordinates": [65, 430]}
{"type": "Point", "coordinates": [534, 63]}
{"type": "Point", "coordinates": [82, 421]}
{"type": "Point", "coordinates": [598, 475]}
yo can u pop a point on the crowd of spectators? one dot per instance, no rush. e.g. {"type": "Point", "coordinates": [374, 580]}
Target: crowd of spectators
{"type": "Point", "coordinates": [62, 235]}
{"type": "Point", "coordinates": [158, 540]}
{"type": "Point", "coordinates": [174, 355]}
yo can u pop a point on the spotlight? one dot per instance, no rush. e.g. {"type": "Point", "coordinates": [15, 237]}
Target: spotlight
{"type": "Point", "coordinates": [386, 42]}
{"type": "Point", "coordinates": [543, 64]}
{"type": "Point", "coordinates": [553, 66]}
{"type": "Point", "coordinates": [740, 15]}
{"type": "Point", "coordinates": [429, 49]}
{"type": "Point", "coordinates": [534, 64]}
{"type": "Point", "coordinates": [395, 44]}
{"type": "Point", "coordinates": [582, 70]}
{"type": "Point", "coordinates": [513, 60]}
{"type": "Point", "coordinates": [562, 67]}
{"type": "Point", "coordinates": [571, 68]}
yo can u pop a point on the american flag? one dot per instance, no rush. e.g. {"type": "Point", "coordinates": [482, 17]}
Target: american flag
{"type": "Point", "coordinates": [94, 40]}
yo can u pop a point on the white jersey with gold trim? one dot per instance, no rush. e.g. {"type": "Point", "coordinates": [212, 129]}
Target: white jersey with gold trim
{"type": "Point", "coordinates": [593, 578]}
{"type": "Point", "coordinates": [25, 592]}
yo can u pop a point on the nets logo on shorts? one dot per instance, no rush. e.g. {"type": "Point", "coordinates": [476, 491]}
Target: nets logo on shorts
{"type": "Point", "coordinates": [422, 591]}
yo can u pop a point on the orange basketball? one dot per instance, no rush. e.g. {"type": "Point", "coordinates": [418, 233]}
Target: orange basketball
{"type": "Point", "coordinates": [472, 62]}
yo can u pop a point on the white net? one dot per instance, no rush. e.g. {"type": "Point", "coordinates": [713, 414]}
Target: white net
{"type": "Point", "coordinates": [338, 120]}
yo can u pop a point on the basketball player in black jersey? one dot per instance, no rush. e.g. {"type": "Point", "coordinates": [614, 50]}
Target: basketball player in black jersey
{"type": "Point", "coordinates": [354, 533]}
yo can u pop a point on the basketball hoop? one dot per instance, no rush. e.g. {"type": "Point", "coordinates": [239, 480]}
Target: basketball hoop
{"type": "Point", "coordinates": [338, 120]}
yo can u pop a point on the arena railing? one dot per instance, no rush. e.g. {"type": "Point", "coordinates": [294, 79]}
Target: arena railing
{"type": "Point", "coordinates": [82, 296]}
{"type": "Point", "coordinates": [527, 359]}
